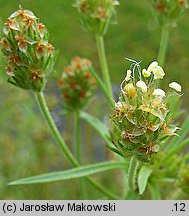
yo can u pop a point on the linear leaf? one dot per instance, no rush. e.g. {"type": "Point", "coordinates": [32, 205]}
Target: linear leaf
{"type": "Point", "coordinates": [143, 177]}
{"type": "Point", "coordinates": [71, 173]}
{"type": "Point", "coordinates": [98, 125]}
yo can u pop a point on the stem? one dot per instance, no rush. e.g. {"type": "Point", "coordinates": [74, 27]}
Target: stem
{"type": "Point", "coordinates": [54, 130]}
{"type": "Point", "coordinates": [103, 62]}
{"type": "Point", "coordinates": [77, 129]}
{"type": "Point", "coordinates": [103, 87]}
{"type": "Point", "coordinates": [163, 43]}
{"type": "Point", "coordinates": [132, 172]}
{"type": "Point", "coordinates": [42, 103]}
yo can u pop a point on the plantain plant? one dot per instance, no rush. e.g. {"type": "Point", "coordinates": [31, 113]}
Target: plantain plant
{"type": "Point", "coordinates": [143, 133]}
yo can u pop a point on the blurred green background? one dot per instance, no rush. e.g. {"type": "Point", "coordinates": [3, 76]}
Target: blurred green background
{"type": "Point", "coordinates": [26, 146]}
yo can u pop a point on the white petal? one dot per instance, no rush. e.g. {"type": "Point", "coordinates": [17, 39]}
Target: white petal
{"type": "Point", "coordinates": [158, 92]}
{"type": "Point", "coordinates": [128, 77]}
{"type": "Point", "coordinates": [142, 85]}
{"type": "Point", "coordinates": [158, 72]}
{"type": "Point", "coordinates": [175, 86]}
{"type": "Point", "coordinates": [152, 66]}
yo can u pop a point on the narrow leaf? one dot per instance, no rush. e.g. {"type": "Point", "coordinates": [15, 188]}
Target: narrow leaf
{"type": "Point", "coordinates": [143, 177]}
{"type": "Point", "coordinates": [98, 125]}
{"type": "Point", "coordinates": [71, 173]}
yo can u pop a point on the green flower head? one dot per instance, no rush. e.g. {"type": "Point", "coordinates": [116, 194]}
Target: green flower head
{"type": "Point", "coordinates": [27, 51]}
{"type": "Point", "coordinates": [169, 11]}
{"type": "Point", "coordinates": [141, 117]}
{"type": "Point", "coordinates": [96, 14]}
{"type": "Point", "coordinates": [77, 85]}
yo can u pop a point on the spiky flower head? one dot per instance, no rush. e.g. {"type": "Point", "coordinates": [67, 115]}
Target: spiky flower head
{"type": "Point", "coordinates": [141, 117]}
{"type": "Point", "coordinates": [77, 84]}
{"type": "Point", "coordinates": [96, 14]}
{"type": "Point", "coordinates": [169, 11]}
{"type": "Point", "coordinates": [29, 55]}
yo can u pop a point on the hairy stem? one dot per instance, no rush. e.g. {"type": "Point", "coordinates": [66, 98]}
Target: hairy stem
{"type": "Point", "coordinates": [54, 130]}
{"type": "Point", "coordinates": [42, 103]}
{"type": "Point", "coordinates": [163, 44]}
{"type": "Point", "coordinates": [103, 62]}
{"type": "Point", "coordinates": [132, 173]}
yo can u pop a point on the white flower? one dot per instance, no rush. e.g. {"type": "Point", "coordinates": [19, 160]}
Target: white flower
{"type": "Point", "coordinates": [142, 85]}
{"type": "Point", "coordinates": [158, 92]}
{"type": "Point", "coordinates": [175, 86]}
{"type": "Point", "coordinates": [146, 73]}
{"type": "Point", "coordinates": [128, 77]}
{"type": "Point", "coordinates": [158, 72]}
{"type": "Point", "coordinates": [151, 67]}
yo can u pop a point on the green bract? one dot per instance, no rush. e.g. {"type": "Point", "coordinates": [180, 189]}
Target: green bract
{"type": "Point", "coordinates": [141, 116]}
{"type": "Point", "coordinates": [29, 55]}
{"type": "Point", "coordinates": [96, 14]}
{"type": "Point", "coordinates": [77, 84]}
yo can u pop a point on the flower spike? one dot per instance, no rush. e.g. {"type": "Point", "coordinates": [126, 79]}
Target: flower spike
{"type": "Point", "coordinates": [140, 116]}
{"type": "Point", "coordinates": [30, 57]}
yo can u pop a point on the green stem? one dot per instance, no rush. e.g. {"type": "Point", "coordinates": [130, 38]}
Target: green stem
{"type": "Point", "coordinates": [42, 103]}
{"type": "Point", "coordinates": [103, 62]}
{"type": "Point", "coordinates": [132, 173]}
{"type": "Point", "coordinates": [77, 129]}
{"type": "Point", "coordinates": [54, 130]}
{"type": "Point", "coordinates": [103, 87]}
{"type": "Point", "coordinates": [163, 43]}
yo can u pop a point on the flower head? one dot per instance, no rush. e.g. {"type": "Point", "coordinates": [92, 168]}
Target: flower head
{"type": "Point", "coordinates": [77, 84]}
{"type": "Point", "coordinates": [96, 15]}
{"type": "Point", "coordinates": [140, 116]}
{"type": "Point", "coordinates": [169, 10]}
{"type": "Point", "coordinates": [28, 55]}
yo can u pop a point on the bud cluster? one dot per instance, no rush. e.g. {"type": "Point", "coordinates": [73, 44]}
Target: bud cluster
{"type": "Point", "coordinates": [29, 55]}
{"type": "Point", "coordinates": [141, 116]}
{"type": "Point", "coordinates": [169, 10]}
{"type": "Point", "coordinates": [77, 84]}
{"type": "Point", "coordinates": [96, 14]}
